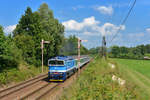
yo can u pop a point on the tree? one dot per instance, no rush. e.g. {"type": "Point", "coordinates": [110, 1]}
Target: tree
{"type": "Point", "coordinates": [95, 50]}
{"type": "Point", "coordinates": [29, 24]}
{"type": "Point", "coordinates": [84, 50]}
{"type": "Point", "coordinates": [25, 24]}
{"type": "Point", "coordinates": [27, 46]}
{"type": "Point", "coordinates": [137, 52]}
{"type": "Point", "coordinates": [147, 47]}
{"type": "Point", "coordinates": [142, 49]}
{"type": "Point", "coordinates": [28, 35]}
{"type": "Point", "coordinates": [115, 51]}
{"type": "Point", "coordinates": [70, 46]}
{"type": "Point", "coordinates": [35, 26]}
{"type": "Point", "coordinates": [2, 40]}
{"type": "Point", "coordinates": [124, 50]}
{"type": "Point", "coordinates": [51, 27]}
{"type": "Point", "coordinates": [9, 53]}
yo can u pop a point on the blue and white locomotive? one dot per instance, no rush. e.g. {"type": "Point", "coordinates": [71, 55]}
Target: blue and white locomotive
{"type": "Point", "coordinates": [61, 67]}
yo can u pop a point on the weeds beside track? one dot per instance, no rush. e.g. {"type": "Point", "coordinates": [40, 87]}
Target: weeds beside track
{"type": "Point", "coordinates": [95, 83]}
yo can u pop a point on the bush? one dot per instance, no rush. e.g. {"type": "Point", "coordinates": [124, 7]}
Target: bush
{"type": "Point", "coordinates": [95, 83]}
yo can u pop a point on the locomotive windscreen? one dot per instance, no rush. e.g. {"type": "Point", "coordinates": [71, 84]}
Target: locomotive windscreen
{"type": "Point", "coordinates": [56, 62]}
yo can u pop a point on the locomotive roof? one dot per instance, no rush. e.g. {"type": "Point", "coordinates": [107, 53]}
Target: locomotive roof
{"type": "Point", "coordinates": [62, 58]}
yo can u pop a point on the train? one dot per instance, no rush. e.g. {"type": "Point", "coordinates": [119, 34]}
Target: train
{"type": "Point", "coordinates": [62, 67]}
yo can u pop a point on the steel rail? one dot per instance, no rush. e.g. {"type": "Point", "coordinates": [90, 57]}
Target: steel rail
{"type": "Point", "coordinates": [58, 84]}
{"type": "Point", "coordinates": [21, 85]}
{"type": "Point", "coordinates": [27, 83]}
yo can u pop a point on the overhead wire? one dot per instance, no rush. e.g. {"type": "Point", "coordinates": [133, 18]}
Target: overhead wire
{"type": "Point", "coordinates": [109, 19]}
{"type": "Point", "coordinates": [120, 13]}
{"type": "Point", "coordinates": [123, 22]}
{"type": "Point", "coordinates": [116, 5]}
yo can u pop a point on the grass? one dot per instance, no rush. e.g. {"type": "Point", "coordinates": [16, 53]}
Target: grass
{"type": "Point", "coordinates": [141, 66]}
{"type": "Point", "coordinates": [137, 72]}
{"type": "Point", "coordinates": [15, 75]}
{"type": "Point", "coordinates": [95, 83]}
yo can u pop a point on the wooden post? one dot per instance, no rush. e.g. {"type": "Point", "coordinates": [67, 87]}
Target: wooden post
{"type": "Point", "coordinates": [79, 43]}
{"type": "Point", "coordinates": [42, 46]}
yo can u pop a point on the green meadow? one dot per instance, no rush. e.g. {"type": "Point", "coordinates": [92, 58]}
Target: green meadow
{"type": "Point", "coordinates": [138, 73]}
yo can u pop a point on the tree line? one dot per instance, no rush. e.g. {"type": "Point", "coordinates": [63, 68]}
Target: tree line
{"type": "Point", "coordinates": [24, 44]}
{"type": "Point", "coordinates": [138, 52]}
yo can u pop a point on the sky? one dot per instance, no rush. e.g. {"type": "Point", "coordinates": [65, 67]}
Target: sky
{"type": "Point", "coordinates": [89, 19]}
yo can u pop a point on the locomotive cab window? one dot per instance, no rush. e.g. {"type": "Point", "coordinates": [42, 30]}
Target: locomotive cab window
{"type": "Point", "coordinates": [56, 63]}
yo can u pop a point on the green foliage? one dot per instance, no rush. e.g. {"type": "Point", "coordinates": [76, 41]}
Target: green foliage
{"type": "Point", "coordinates": [94, 50]}
{"type": "Point", "coordinates": [32, 28]}
{"type": "Point", "coordinates": [147, 47]}
{"type": "Point", "coordinates": [52, 28]}
{"type": "Point", "coordinates": [19, 74]}
{"type": "Point", "coordinates": [137, 52]}
{"type": "Point", "coordinates": [9, 53]}
{"type": "Point", "coordinates": [29, 24]}
{"type": "Point", "coordinates": [115, 51]}
{"type": "Point", "coordinates": [95, 83]}
{"type": "Point", "coordinates": [26, 44]}
{"type": "Point", "coordinates": [84, 50]}
{"type": "Point", "coordinates": [2, 41]}
{"type": "Point", "coordinates": [70, 47]}
{"type": "Point", "coordinates": [147, 55]}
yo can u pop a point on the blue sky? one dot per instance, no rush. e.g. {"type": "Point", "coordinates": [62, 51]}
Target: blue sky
{"type": "Point", "coordinates": [89, 19]}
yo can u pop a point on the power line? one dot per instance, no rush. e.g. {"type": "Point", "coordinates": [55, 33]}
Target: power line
{"type": "Point", "coordinates": [121, 16]}
{"type": "Point", "coordinates": [102, 49]}
{"type": "Point", "coordinates": [123, 22]}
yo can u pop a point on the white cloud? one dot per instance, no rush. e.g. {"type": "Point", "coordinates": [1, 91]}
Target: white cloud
{"type": "Point", "coordinates": [90, 26]}
{"type": "Point", "coordinates": [109, 29]}
{"type": "Point", "coordinates": [9, 29]}
{"type": "Point", "coordinates": [90, 21]}
{"type": "Point", "coordinates": [148, 30]}
{"type": "Point", "coordinates": [105, 10]}
{"type": "Point", "coordinates": [73, 25]}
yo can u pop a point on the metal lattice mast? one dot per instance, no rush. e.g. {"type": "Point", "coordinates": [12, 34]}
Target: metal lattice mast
{"type": "Point", "coordinates": [103, 51]}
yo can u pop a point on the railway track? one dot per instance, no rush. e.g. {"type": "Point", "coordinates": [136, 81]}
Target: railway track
{"type": "Point", "coordinates": [40, 92]}
{"type": "Point", "coordinates": [11, 90]}
{"type": "Point", "coordinates": [33, 89]}
{"type": "Point", "coordinates": [56, 92]}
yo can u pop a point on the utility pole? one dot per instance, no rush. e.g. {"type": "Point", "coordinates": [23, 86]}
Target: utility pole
{"type": "Point", "coordinates": [103, 51]}
{"type": "Point", "coordinates": [79, 43]}
{"type": "Point", "coordinates": [79, 46]}
{"type": "Point", "coordinates": [42, 47]}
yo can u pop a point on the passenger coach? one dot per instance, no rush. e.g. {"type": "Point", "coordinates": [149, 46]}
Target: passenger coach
{"type": "Point", "coordinates": [61, 67]}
